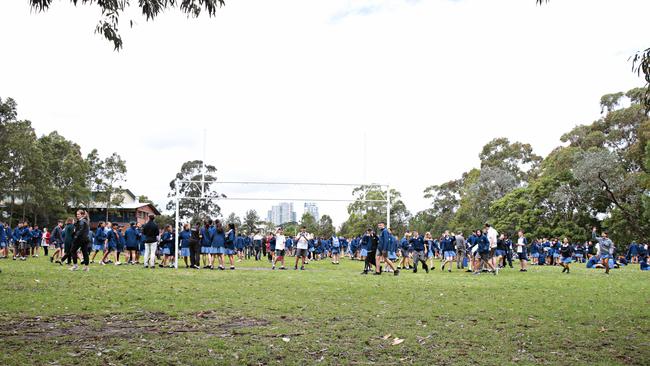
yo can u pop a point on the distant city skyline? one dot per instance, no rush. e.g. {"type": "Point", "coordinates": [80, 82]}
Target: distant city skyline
{"type": "Point", "coordinates": [281, 213]}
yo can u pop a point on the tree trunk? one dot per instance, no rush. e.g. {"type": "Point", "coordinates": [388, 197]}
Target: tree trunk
{"type": "Point", "coordinates": [11, 210]}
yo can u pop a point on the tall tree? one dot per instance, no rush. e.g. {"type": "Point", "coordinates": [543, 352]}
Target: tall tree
{"type": "Point", "coordinates": [113, 10]}
{"type": "Point", "coordinates": [251, 220]}
{"type": "Point", "coordinates": [193, 207]}
{"type": "Point", "coordinates": [233, 219]}
{"type": "Point", "coordinates": [368, 209]}
{"type": "Point", "coordinates": [111, 174]}
{"type": "Point", "coordinates": [325, 227]}
{"type": "Point", "coordinates": [309, 222]}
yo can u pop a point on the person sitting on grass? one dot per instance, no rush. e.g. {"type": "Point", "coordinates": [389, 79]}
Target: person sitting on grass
{"type": "Point", "coordinates": [566, 251]}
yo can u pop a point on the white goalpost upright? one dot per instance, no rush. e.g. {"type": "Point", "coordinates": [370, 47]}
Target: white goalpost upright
{"type": "Point", "coordinates": [178, 198]}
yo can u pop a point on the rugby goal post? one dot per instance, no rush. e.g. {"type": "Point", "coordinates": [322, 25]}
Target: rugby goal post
{"type": "Point", "coordinates": [178, 198]}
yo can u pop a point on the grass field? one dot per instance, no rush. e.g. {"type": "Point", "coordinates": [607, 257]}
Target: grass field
{"type": "Point", "coordinates": [325, 315]}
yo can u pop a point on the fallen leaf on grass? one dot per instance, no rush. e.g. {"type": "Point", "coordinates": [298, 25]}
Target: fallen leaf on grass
{"type": "Point", "coordinates": [602, 330]}
{"type": "Point", "coordinates": [397, 341]}
{"type": "Point", "coordinates": [386, 336]}
{"type": "Point", "coordinates": [286, 339]}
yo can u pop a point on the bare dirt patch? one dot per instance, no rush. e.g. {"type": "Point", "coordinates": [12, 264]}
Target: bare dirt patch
{"type": "Point", "coordinates": [68, 328]}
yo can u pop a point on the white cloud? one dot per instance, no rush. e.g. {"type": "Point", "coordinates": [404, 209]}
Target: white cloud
{"type": "Point", "coordinates": [286, 93]}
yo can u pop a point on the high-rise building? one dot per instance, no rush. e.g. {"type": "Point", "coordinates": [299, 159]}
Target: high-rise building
{"type": "Point", "coordinates": [312, 208]}
{"type": "Point", "coordinates": [281, 213]}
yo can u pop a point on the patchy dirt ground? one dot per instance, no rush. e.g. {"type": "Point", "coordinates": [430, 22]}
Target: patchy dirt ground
{"type": "Point", "coordinates": [88, 327]}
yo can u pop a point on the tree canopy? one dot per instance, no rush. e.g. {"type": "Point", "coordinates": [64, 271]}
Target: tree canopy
{"type": "Point", "coordinates": [112, 11]}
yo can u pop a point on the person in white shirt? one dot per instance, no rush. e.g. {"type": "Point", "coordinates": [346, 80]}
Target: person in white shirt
{"type": "Point", "coordinates": [521, 251]}
{"type": "Point", "coordinates": [280, 246]}
{"type": "Point", "coordinates": [302, 246]}
{"type": "Point", "coordinates": [492, 236]}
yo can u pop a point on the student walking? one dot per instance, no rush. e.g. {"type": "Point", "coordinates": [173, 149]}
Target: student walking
{"type": "Point", "coordinates": [383, 248]}
{"type": "Point", "coordinates": [280, 245]}
{"type": "Point", "coordinates": [566, 251]}
{"type": "Point", "coordinates": [419, 252]}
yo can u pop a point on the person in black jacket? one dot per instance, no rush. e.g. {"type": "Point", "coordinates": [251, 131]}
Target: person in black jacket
{"type": "Point", "coordinates": [150, 232]}
{"type": "Point", "coordinates": [80, 241]}
{"type": "Point", "coordinates": [195, 247]}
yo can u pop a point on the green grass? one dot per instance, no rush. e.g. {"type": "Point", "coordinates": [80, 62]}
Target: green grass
{"type": "Point", "coordinates": [329, 315]}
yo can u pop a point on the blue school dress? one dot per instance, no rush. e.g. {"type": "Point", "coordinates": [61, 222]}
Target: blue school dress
{"type": "Point", "coordinates": [185, 242]}
{"type": "Point", "coordinates": [218, 242]}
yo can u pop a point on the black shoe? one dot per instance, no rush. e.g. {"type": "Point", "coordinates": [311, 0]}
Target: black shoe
{"type": "Point", "coordinates": [51, 259]}
{"type": "Point", "coordinates": [426, 269]}
{"type": "Point", "coordinates": [449, 271]}
{"type": "Point", "coordinates": [414, 271]}
{"type": "Point", "coordinates": [302, 268]}
{"type": "Point", "coordinates": [146, 266]}
{"type": "Point", "coordinates": [396, 273]}
{"type": "Point", "coordinates": [376, 274]}
{"type": "Point", "coordinates": [469, 270]}
{"type": "Point", "coordinates": [364, 272]}
{"type": "Point", "coordinates": [232, 268]}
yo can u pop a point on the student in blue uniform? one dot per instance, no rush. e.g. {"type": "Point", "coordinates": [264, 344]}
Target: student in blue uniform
{"type": "Point", "coordinates": [231, 236]}
{"type": "Point", "coordinates": [132, 242]}
{"type": "Point", "coordinates": [184, 238]}
{"type": "Point", "coordinates": [68, 238]}
{"type": "Point", "coordinates": [633, 253]}
{"type": "Point", "coordinates": [99, 241]}
{"type": "Point", "coordinates": [383, 248]}
{"type": "Point", "coordinates": [3, 240]}
{"type": "Point", "coordinates": [25, 240]}
{"type": "Point", "coordinates": [37, 236]}
{"type": "Point", "coordinates": [566, 253]}
{"type": "Point", "coordinates": [579, 252]}
{"type": "Point", "coordinates": [289, 245]}
{"type": "Point", "coordinates": [404, 251]}
{"type": "Point", "coordinates": [218, 244]}
{"type": "Point", "coordinates": [336, 249]}
{"type": "Point", "coordinates": [121, 243]}
{"type": "Point", "coordinates": [8, 237]}
{"type": "Point", "coordinates": [556, 244]}
{"type": "Point", "coordinates": [167, 244]}
{"type": "Point", "coordinates": [593, 262]}
{"type": "Point", "coordinates": [207, 235]}
{"type": "Point", "coordinates": [112, 239]}
{"type": "Point", "coordinates": [483, 251]}
{"type": "Point", "coordinates": [448, 247]}
{"type": "Point", "coordinates": [239, 247]}
{"type": "Point", "coordinates": [365, 244]}
{"type": "Point", "coordinates": [419, 252]}
{"type": "Point", "coordinates": [430, 243]}
{"type": "Point", "coordinates": [56, 239]}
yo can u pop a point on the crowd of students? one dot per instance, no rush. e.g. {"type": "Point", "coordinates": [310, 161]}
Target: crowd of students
{"type": "Point", "coordinates": [210, 245]}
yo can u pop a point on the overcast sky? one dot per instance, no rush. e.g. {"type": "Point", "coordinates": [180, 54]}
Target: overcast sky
{"type": "Point", "coordinates": [287, 89]}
